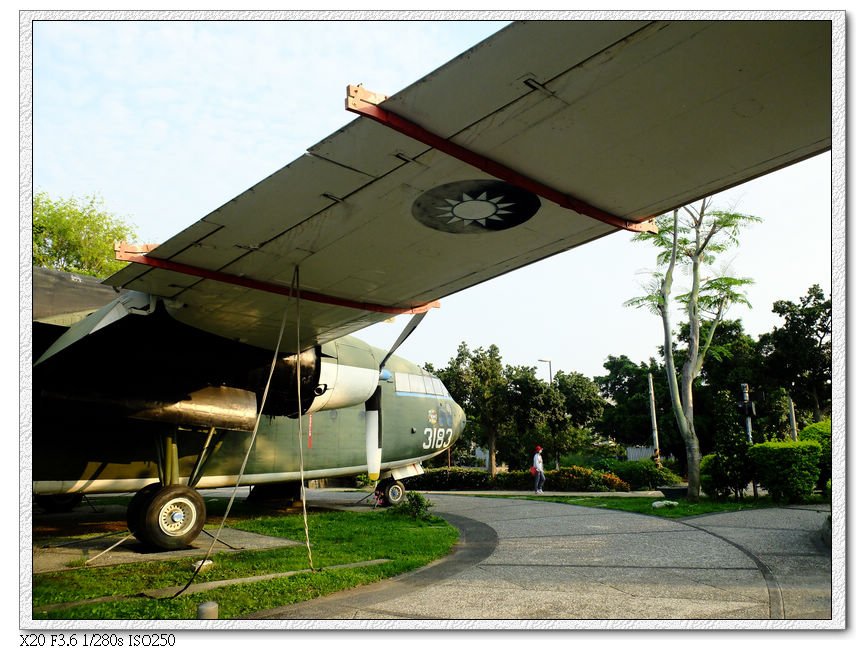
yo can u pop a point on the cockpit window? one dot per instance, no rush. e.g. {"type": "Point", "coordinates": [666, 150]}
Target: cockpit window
{"type": "Point", "coordinates": [424, 384]}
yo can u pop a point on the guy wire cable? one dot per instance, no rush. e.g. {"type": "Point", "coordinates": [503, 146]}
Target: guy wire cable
{"type": "Point", "coordinates": [296, 287]}
{"type": "Point", "coordinates": [246, 456]}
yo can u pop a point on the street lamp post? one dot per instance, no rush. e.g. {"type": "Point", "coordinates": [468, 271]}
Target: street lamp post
{"type": "Point", "coordinates": [550, 364]}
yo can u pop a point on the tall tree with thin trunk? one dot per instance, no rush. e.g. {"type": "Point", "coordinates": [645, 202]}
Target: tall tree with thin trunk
{"type": "Point", "coordinates": [690, 239]}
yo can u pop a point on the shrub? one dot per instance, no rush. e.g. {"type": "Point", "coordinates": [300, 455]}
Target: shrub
{"type": "Point", "coordinates": [514, 480]}
{"type": "Point", "coordinates": [724, 474]}
{"type": "Point", "coordinates": [642, 474]}
{"type": "Point", "coordinates": [566, 479]}
{"type": "Point", "coordinates": [788, 470]}
{"type": "Point", "coordinates": [413, 505]}
{"type": "Point", "coordinates": [454, 478]}
{"type": "Point", "coordinates": [822, 433]}
{"type": "Point", "coordinates": [582, 479]}
{"type": "Point", "coordinates": [711, 473]}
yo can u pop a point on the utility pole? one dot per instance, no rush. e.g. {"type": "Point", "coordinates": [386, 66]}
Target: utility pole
{"type": "Point", "coordinates": [747, 402]}
{"type": "Point", "coordinates": [656, 454]}
{"type": "Point", "coordinates": [792, 411]}
{"type": "Point", "coordinates": [748, 409]}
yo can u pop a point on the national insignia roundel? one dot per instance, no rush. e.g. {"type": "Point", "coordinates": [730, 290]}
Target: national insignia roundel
{"type": "Point", "coordinates": [475, 206]}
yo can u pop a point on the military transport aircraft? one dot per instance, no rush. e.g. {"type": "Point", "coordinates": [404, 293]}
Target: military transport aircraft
{"type": "Point", "coordinates": [543, 137]}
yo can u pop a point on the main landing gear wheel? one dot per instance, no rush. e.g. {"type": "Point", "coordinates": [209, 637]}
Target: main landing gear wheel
{"type": "Point", "coordinates": [392, 491]}
{"type": "Point", "coordinates": [137, 506]}
{"type": "Point", "coordinates": [166, 517]}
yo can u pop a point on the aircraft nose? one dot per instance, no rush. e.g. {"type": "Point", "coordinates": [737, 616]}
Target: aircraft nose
{"type": "Point", "coordinates": [459, 420]}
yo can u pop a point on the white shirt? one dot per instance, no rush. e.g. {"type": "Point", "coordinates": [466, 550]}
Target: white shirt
{"type": "Point", "coordinates": [538, 462]}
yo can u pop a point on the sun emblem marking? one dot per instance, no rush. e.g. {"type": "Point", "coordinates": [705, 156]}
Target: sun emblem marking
{"type": "Point", "coordinates": [474, 206]}
{"type": "Point", "coordinates": [474, 209]}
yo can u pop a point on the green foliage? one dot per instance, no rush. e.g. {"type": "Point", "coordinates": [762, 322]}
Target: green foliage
{"type": "Point", "coordinates": [626, 417]}
{"type": "Point", "coordinates": [338, 538]}
{"type": "Point", "coordinates": [451, 478]}
{"type": "Point", "coordinates": [643, 505]}
{"type": "Point", "coordinates": [476, 380]}
{"type": "Point", "coordinates": [537, 416]}
{"type": "Point", "coordinates": [788, 470]}
{"type": "Point", "coordinates": [509, 410]}
{"type": "Point", "coordinates": [690, 238]}
{"type": "Point", "coordinates": [712, 480]}
{"type": "Point", "coordinates": [730, 470]}
{"type": "Point", "coordinates": [414, 505]}
{"type": "Point", "coordinates": [641, 474]}
{"type": "Point", "coordinates": [822, 433]}
{"type": "Point", "coordinates": [566, 479]}
{"type": "Point", "coordinates": [77, 235]}
{"type": "Point", "coordinates": [582, 397]}
{"type": "Point", "coordinates": [799, 353]}
{"type": "Point", "coordinates": [583, 479]}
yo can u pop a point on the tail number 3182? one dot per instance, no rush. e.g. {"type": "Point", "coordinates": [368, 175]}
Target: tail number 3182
{"type": "Point", "coordinates": [437, 438]}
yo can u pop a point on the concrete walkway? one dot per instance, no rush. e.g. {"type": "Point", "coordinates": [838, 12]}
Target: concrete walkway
{"type": "Point", "coordinates": [521, 561]}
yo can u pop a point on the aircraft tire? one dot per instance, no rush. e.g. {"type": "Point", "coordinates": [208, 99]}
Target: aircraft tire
{"type": "Point", "coordinates": [137, 506]}
{"type": "Point", "coordinates": [173, 518]}
{"type": "Point", "coordinates": [394, 493]}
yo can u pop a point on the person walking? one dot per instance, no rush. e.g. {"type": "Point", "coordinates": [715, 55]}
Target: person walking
{"type": "Point", "coordinates": [538, 470]}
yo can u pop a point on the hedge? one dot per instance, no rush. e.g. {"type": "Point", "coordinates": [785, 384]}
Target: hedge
{"type": "Point", "coordinates": [822, 433]}
{"type": "Point", "coordinates": [641, 474]}
{"type": "Point", "coordinates": [566, 479]}
{"type": "Point", "coordinates": [722, 475]}
{"type": "Point", "coordinates": [788, 470]}
{"type": "Point", "coordinates": [712, 480]}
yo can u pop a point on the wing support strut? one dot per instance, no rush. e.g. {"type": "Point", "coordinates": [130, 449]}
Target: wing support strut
{"type": "Point", "coordinates": [365, 103]}
{"type": "Point", "coordinates": [132, 253]}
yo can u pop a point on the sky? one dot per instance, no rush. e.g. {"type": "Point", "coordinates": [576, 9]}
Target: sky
{"type": "Point", "coordinates": [168, 120]}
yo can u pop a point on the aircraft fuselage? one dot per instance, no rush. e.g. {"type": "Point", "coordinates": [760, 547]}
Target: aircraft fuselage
{"type": "Point", "coordinates": [102, 454]}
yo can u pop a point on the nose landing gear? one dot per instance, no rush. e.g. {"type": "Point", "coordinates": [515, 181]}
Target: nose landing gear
{"type": "Point", "coordinates": [390, 492]}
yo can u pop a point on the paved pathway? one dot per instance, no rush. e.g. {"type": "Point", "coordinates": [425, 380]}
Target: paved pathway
{"type": "Point", "coordinates": [522, 561]}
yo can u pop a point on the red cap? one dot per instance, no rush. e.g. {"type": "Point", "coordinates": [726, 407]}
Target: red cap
{"type": "Point", "coordinates": [538, 448]}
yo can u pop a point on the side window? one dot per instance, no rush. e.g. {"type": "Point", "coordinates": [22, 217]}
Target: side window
{"type": "Point", "coordinates": [424, 384]}
{"type": "Point", "coordinates": [416, 384]}
{"type": "Point", "coordinates": [401, 382]}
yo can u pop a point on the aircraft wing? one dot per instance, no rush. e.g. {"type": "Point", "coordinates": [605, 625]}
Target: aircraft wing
{"type": "Point", "coordinates": [541, 138]}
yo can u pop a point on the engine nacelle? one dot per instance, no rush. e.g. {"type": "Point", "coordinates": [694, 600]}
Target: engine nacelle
{"type": "Point", "coordinates": [348, 375]}
{"type": "Point", "coordinates": [337, 374]}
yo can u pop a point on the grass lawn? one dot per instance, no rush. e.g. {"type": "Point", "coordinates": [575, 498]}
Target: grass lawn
{"type": "Point", "coordinates": [336, 538]}
{"type": "Point", "coordinates": [643, 505]}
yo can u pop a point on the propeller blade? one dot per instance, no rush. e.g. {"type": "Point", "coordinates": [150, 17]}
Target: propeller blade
{"type": "Point", "coordinates": [409, 328]}
{"type": "Point", "coordinates": [373, 435]}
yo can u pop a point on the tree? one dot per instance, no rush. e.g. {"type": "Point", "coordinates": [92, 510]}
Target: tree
{"type": "Point", "coordinates": [689, 243]}
{"type": "Point", "coordinates": [732, 359]}
{"type": "Point", "coordinates": [476, 379]}
{"type": "Point", "coordinates": [509, 410]}
{"type": "Point", "coordinates": [626, 417]}
{"type": "Point", "coordinates": [799, 354]}
{"type": "Point", "coordinates": [582, 396]}
{"type": "Point", "coordinates": [77, 235]}
{"type": "Point", "coordinates": [538, 416]}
